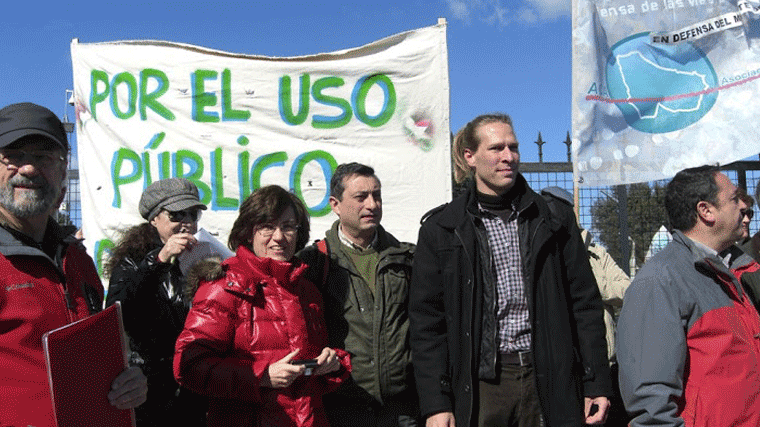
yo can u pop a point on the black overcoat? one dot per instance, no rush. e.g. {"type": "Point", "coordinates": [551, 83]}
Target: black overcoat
{"type": "Point", "coordinates": [448, 322]}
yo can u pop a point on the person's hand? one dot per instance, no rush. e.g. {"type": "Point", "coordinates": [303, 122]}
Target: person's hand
{"type": "Point", "coordinates": [175, 245]}
{"type": "Point", "coordinates": [441, 419]}
{"type": "Point", "coordinates": [281, 373]}
{"type": "Point", "coordinates": [327, 361]}
{"type": "Point", "coordinates": [129, 389]}
{"type": "Point", "coordinates": [603, 406]}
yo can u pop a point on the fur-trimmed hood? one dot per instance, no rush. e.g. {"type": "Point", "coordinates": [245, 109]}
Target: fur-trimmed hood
{"type": "Point", "coordinates": [207, 270]}
{"type": "Point", "coordinates": [244, 265]}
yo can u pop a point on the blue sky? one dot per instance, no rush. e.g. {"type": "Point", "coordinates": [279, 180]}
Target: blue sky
{"type": "Point", "coordinates": [504, 55]}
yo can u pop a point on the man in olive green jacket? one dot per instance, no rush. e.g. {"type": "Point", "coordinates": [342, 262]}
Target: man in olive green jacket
{"type": "Point", "coordinates": [364, 273]}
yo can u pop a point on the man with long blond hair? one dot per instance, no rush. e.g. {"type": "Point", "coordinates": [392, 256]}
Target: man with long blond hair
{"type": "Point", "coordinates": [505, 315]}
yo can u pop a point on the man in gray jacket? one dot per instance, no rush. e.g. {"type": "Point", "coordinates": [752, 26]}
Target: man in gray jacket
{"type": "Point", "coordinates": [364, 273]}
{"type": "Point", "coordinates": [687, 341]}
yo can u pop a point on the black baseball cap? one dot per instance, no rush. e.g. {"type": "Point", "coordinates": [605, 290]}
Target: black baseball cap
{"type": "Point", "coordinates": [25, 119]}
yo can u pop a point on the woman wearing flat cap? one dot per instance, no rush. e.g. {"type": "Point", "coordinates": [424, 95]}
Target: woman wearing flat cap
{"type": "Point", "coordinates": [149, 284]}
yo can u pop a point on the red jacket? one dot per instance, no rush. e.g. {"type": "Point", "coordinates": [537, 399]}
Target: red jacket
{"type": "Point", "coordinates": [254, 315]}
{"type": "Point", "coordinates": [688, 341]}
{"type": "Point", "coordinates": [33, 301]}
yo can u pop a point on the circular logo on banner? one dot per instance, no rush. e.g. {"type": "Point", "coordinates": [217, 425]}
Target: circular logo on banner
{"type": "Point", "coordinates": [660, 88]}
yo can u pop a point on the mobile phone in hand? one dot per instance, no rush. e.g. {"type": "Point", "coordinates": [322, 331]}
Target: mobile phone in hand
{"type": "Point", "coordinates": [310, 365]}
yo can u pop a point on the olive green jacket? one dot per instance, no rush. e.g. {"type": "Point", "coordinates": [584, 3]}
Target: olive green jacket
{"type": "Point", "coordinates": [373, 328]}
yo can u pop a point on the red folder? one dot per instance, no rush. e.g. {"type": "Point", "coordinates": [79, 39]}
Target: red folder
{"type": "Point", "coordinates": [83, 358]}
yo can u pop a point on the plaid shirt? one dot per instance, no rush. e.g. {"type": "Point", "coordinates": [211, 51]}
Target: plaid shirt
{"type": "Point", "coordinates": [506, 263]}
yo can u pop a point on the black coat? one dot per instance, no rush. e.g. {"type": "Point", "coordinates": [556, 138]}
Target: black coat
{"type": "Point", "coordinates": [153, 321]}
{"type": "Point", "coordinates": [448, 323]}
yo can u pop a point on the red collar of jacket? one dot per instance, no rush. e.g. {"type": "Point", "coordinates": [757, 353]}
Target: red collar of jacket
{"type": "Point", "coordinates": [245, 264]}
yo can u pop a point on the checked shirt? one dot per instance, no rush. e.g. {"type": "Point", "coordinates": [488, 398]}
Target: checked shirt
{"type": "Point", "coordinates": [506, 264]}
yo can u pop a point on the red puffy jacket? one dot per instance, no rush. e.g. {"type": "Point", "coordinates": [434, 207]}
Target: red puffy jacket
{"type": "Point", "coordinates": [256, 313]}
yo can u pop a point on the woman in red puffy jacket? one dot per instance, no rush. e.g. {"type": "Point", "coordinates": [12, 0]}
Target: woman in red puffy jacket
{"type": "Point", "coordinates": [255, 340]}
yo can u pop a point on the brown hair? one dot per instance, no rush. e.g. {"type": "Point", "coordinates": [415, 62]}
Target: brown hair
{"type": "Point", "coordinates": [466, 139]}
{"type": "Point", "coordinates": [266, 205]}
{"type": "Point", "coordinates": [134, 242]}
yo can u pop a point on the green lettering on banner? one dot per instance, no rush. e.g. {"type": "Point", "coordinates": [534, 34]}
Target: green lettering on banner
{"type": "Point", "coordinates": [244, 172]}
{"type": "Point", "coordinates": [244, 175]}
{"type": "Point", "coordinates": [156, 141]}
{"type": "Point", "coordinates": [152, 145]}
{"type": "Point", "coordinates": [286, 107]}
{"type": "Point", "coordinates": [327, 122]}
{"type": "Point", "coordinates": [202, 99]}
{"type": "Point", "coordinates": [127, 83]}
{"type": "Point", "coordinates": [219, 202]}
{"type": "Point", "coordinates": [96, 97]}
{"type": "Point", "coordinates": [265, 162]}
{"type": "Point", "coordinates": [194, 161]}
{"type": "Point", "coordinates": [228, 113]}
{"type": "Point", "coordinates": [328, 164]}
{"type": "Point", "coordinates": [357, 104]}
{"type": "Point", "coordinates": [359, 99]}
{"type": "Point", "coordinates": [119, 158]}
{"type": "Point", "coordinates": [128, 80]}
{"type": "Point", "coordinates": [164, 165]}
{"type": "Point", "coordinates": [147, 175]}
{"type": "Point", "coordinates": [150, 100]}
{"type": "Point", "coordinates": [128, 167]}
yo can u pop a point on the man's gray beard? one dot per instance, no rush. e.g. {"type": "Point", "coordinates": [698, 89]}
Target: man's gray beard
{"type": "Point", "coordinates": [30, 203]}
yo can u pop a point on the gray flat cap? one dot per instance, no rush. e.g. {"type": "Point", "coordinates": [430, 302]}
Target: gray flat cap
{"type": "Point", "coordinates": [171, 194]}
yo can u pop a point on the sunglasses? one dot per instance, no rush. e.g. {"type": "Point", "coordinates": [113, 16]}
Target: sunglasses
{"type": "Point", "coordinates": [749, 213]}
{"type": "Point", "coordinates": [191, 215]}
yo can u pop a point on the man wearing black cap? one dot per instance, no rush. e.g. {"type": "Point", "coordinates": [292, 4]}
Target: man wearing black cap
{"type": "Point", "coordinates": [47, 280]}
{"type": "Point", "coordinates": [149, 284]}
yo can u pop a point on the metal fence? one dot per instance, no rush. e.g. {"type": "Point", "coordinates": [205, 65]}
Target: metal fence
{"type": "Point", "coordinates": [745, 174]}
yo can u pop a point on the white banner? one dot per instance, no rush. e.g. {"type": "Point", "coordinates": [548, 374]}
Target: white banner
{"type": "Point", "coordinates": [231, 123]}
{"type": "Point", "coordinates": [662, 85]}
